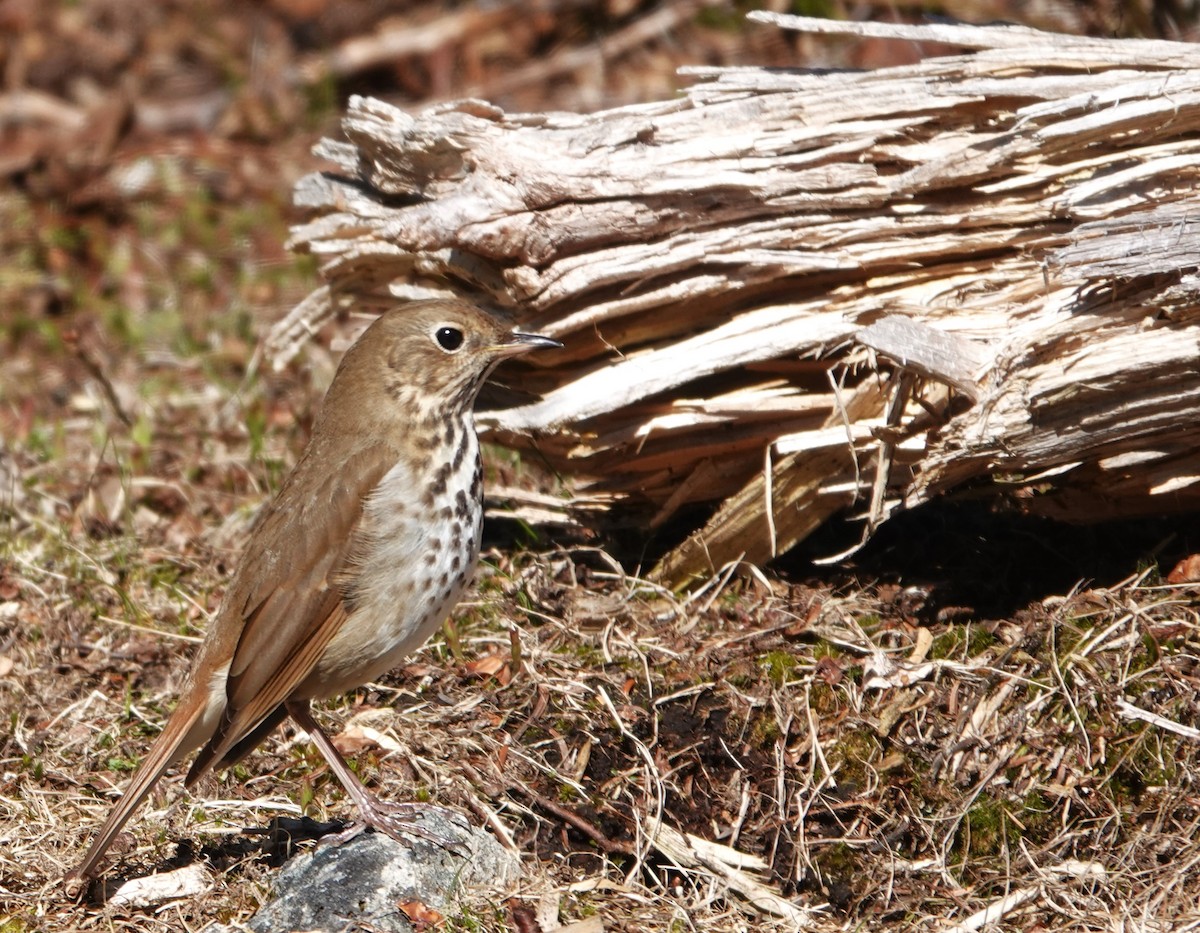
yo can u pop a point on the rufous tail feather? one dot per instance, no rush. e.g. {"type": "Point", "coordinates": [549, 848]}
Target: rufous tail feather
{"type": "Point", "coordinates": [166, 749]}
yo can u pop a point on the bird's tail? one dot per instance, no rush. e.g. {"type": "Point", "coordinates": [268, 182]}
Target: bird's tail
{"type": "Point", "coordinates": [172, 743]}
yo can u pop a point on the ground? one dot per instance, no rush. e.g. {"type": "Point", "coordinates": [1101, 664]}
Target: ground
{"type": "Point", "coordinates": [977, 711]}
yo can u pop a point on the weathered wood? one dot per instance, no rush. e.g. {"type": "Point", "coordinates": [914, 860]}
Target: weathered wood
{"type": "Point", "coordinates": [926, 350]}
{"type": "Point", "coordinates": [741, 274]}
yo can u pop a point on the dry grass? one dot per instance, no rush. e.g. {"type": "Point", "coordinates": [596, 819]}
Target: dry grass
{"type": "Point", "coordinates": [889, 768]}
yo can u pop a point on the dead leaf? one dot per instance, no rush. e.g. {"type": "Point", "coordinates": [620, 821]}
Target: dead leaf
{"type": "Point", "coordinates": [490, 666]}
{"type": "Point", "coordinates": [829, 670]}
{"type": "Point", "coordinates": [1186, 571]}
{"type": "Point", "coordinates": [190, 881]}
{"type": "Point", "coordinates": [356, 738]}
{"type": "Point", "coordinates": [524, 919]}
{"type": "Point", "coordinates": [419, 914]}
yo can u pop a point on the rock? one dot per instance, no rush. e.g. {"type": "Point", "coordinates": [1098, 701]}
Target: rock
{"type": "Point", "coordinates": [374, 883]}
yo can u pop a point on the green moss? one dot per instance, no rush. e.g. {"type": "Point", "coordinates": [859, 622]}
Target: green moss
{"type": "Point", "coordinates": [1068, 637]}
{"type": "Point", "coordinates": [823, 698]}
{"type": "Point", "coordinates": [947, 645]}
{"type": "Point", "coordinates": [778, 665]}
{"type": "Point", "coordinates": [535, 734]}
{"type": "Point", "coordinates": [588, 654]}
{"type": "Point", "coordinates": [826, 649]}
{"type": "Point", "coordinates": [1153, 576]}
{"type": "Point", "coordinates": [471, 919]}
{"type": "Point", "coordinates": [1153, 759]}
{"type": "Point", "coordinates": [979, 640]}
{"type": "Point", "coordinates": [1149, 656]}
{"type": "Point", "coordinates": [69, 239]}
{"type": "Point", "coordinates": [765, 732]}
{"type": "Point", "coordinates": [986, 831]}
{"type": "Point", "coordinates": [585, 908]}
{"type": "Point", "coordinates": [837, 862]}
{"type": "Point", "coordinates": [870, 622]}
{"type": "Point", "coordinates": [858, 750]}
{"type": "Point", "coordinates": [1039, 817]}
{"type": "Point", "coordinates": [961, 642]}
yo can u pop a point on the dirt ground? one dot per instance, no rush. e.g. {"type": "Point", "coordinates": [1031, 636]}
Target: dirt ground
{"type": "Point", "coordinates": [978, 712]}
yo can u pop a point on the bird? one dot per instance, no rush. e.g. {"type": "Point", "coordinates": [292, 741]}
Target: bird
{"type": "Point", "coordinates": [367, 546]}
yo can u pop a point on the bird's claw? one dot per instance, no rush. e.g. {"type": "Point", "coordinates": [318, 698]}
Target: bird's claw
{"type": "Point", "coordinates": [405, 822]}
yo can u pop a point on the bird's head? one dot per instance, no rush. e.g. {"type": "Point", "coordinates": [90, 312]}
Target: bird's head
{"type": "Point", "coordinates": [426, 360]}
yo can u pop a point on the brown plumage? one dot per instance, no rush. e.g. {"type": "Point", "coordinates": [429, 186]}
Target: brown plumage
{"type": "Point", "coordinates": [363, 552]}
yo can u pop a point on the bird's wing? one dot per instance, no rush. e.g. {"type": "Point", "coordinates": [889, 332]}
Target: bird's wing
{"type": "Point", "coordinates": [288, 598]}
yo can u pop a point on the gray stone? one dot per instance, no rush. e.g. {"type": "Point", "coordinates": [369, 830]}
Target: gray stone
{"type": "Point", "coordinates": [360, 884]}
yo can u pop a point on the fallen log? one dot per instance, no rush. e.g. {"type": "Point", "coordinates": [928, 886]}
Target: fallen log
{"type": "Point", "coordinates": [792, 294]}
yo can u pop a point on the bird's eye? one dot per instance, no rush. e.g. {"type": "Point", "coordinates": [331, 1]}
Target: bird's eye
{"type": "Point", "coordinates": [449, 338]}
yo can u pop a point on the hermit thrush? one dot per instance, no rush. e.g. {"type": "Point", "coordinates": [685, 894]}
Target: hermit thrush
{"type": "Point", "coordinates": [366, 548]}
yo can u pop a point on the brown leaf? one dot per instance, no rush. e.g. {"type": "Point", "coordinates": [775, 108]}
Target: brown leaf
{"type": "Point", "coordinates": [1186, 571]}
{"type": "Point", "coordinates": [489, 666]}
{"type": "Point", "coordinates": [419, 915]}
{"type": "Point", "coordinates": [829, 670]}
{"type": "Point", "coordinates": [524, 918]}
{"type": "Point", "coordinates": [351, 740]}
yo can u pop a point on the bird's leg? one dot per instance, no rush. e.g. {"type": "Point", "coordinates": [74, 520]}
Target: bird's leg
{"type": "Point", "coordinates": [401, 821]}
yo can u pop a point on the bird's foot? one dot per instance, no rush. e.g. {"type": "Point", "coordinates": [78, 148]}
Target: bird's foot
{"type": "Point", "coordinates": [405, 822]}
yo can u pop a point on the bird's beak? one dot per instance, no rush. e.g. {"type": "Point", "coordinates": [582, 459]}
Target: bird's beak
{"type": "Point", "coordinates": [518, 343]}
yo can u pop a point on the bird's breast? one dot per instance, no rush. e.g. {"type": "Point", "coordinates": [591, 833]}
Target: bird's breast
{"type": "Point", "coordinates": [417, 549]}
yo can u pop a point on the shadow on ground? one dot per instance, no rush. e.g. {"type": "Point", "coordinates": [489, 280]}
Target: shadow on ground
{"type": "Point", "coordinates": [970, 556]}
